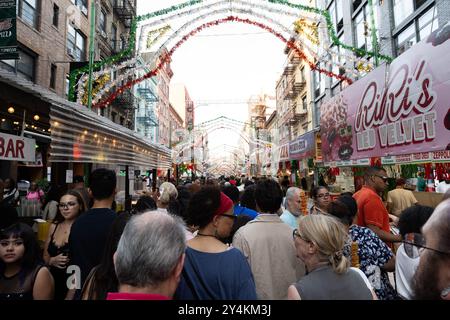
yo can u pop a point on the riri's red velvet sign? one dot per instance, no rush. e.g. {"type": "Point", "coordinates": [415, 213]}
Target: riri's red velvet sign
{"type": "Point", "coordinates": [399, 109]}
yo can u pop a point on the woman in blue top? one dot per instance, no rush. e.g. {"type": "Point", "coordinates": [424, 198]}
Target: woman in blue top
{"type": "Point", "coordinates": [212, 270]}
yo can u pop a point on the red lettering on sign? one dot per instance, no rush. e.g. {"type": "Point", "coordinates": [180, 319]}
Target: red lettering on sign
{"type": "Point", "coordinates": [10, 149]}
{"type": "Point", "coordinates": [395, 102]}
{"type": "Point", "coordinates": [19, 149]}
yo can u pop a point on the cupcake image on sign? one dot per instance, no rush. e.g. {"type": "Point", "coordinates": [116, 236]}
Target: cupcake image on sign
{"type": "Point", "coordinates": [336, 134]}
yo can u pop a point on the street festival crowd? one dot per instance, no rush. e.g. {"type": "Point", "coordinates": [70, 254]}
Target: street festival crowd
{"type": "Point", "coordinates": [227, 238]}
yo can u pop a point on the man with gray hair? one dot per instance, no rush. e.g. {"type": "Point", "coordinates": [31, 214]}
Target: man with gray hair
{"type": "Point", "coordinates": [432, 277]}
{"type": "Point", "coordinates": [150, 257]}
{"type": "Point", "coordinates": [293, 207]}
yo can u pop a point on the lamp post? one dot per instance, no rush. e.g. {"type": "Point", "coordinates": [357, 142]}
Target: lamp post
{"type": "Point", "coordinates": [91, 53]}
{"type": "Point", "coordinates": [192, 156]}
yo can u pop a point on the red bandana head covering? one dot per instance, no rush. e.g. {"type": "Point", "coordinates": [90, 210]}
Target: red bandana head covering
{"type": "Point", "coordinates": [225, 204]}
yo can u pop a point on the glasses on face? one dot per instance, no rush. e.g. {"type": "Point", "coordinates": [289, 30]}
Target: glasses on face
{"type": "Point", "coordinates": [384, 178]}
{"type": "Point", "coordinates": [414, 245]}
{"type": "Point", "coordinates": [228, 215]}
{"type": "Point", "coordinates": [296, 234]}
{"type": "Point", "coordinates": [323, 195]}
{"type": "Point", "coordinates": [67, 205]}
{"type": "Point", "coordinates": [15, 243]}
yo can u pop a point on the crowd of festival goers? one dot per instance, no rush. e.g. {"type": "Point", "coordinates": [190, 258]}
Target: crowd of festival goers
{"type": "Point", "coordinates": [228, 239]}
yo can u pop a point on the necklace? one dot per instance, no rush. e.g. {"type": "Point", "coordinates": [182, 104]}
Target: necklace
{"type": "Point", "coordinates": [206, 235]}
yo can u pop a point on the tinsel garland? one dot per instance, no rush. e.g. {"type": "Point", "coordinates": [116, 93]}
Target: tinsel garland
{"type": "Point", "coordinates": [166, 58]}
{"type": "Point", "coordinates": [126, 52]}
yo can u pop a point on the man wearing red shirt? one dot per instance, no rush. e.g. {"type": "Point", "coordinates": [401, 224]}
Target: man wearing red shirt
{"type": "Point", "coordinates": [371, 211]}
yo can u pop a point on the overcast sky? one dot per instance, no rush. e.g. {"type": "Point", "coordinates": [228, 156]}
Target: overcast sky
{"type": "Point", "coordinates": [231, 61]}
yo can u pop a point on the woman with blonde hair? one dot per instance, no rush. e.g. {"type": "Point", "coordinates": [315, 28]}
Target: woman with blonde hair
{"type": "Point", "coordinates": [319, 241]}
{"type": "Point", "coordinates": [167, 192]}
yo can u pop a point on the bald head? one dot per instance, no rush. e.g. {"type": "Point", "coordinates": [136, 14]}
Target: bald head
{"type": "Point", "coordinates": [432, 276]}
{"type": "Point", "coordinates": [293, 199]}
{"type": "Point", "coordinates": [439, 226]}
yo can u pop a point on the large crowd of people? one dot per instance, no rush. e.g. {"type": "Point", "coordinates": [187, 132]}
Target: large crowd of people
{"type": "Point", "coordinates": [227, 239]}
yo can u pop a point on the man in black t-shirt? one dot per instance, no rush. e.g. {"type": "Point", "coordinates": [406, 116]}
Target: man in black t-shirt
{"type": "Point", "coordinates": [89, 232]}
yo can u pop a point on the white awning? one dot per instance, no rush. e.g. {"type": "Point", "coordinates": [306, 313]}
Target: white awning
{"type": "Point", "coordinates": [80, 135]}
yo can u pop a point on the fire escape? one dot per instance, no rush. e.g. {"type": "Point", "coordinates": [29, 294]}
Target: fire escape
{"type": "Point", "coordinates": [295, 85]}
{"type": "Point", "coordinates": [146, 118]}
{"type": "Point", "coordinates": [125, 10]}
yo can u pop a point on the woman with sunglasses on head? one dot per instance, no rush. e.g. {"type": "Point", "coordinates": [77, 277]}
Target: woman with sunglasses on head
{"type": "Point", "coordinates": [321, 198]}
{"type": "Point", "coordinates": [23, 275]}
{"type": "Point", "coordinates": [319, 241]}
{"type": "Point", "coordinates": [410, 225]}
{"type": "Point", "coordinates": [56, 249]}
{"type": "Point", "coordinates": [212, 270]}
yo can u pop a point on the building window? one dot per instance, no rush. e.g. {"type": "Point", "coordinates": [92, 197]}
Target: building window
{"type": "Point", "coordinates": [102, 22]}
{"type": "Point", "coordinates": [356, 4]}
{"type": "Point", "coordinates": [25, 66]}
{"type": "Point", "coordinates": [28, 10]}
{"type": "Point", "coordinates": [336, 14]}
{"type": "Point", "coordinates": [404, 8]}
{"type": "Point", "coordinates": [113, 116]}
{"type": "Point", "coordinates": [316, 84]}
{"type": "Point", "coordinates": [302, 74]}
{"type": "Point", "coordinates": [363, 27]}
{"type": "Point", "coordinates": [82, 4]}
{"type": "Point", "coordinates": [76, 42]}
{"type": "Point", "coordinates": [113, 36]}
{"type": "Point", "coordinates": [53, 76]}
{"type": "Point", "coordinates": [304, 103]}
{"type": "Point", "coordinates": [67, 84]}
{"type": "Point", "coordinates": [55, 15]}
{"type": "Point", "coordinates": [420, 28]}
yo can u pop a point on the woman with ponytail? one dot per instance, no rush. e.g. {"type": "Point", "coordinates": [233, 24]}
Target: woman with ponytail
{"type": "Point", "coordinates": [167, 193]}
{"type": "Point", "coordinates": [319, 241]}
{"type": "Point", "coordinates": [366, 250]}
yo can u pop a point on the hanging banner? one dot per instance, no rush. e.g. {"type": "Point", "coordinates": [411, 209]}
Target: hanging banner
{"type": "Point", "coordinates": [398, 109]}
{"type": "Point", "coordinates": [284, 152]}
{"type": "Point", "coordinates": [16, 148]}
{"type": "Point", "coordinates": [8, 30]}
{"type": "Point", "coordinates": [303, 147]}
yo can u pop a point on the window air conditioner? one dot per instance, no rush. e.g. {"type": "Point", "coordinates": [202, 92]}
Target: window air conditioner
{"type": "Point", "coordinates": [71, 52]}
{"type": "Point", "coordinates": [74, 24]}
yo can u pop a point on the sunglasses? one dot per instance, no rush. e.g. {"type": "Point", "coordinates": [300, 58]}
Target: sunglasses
{"type": "Point", "coordinates": [385, 179]}
{"type": "Point", "coordinates": [414, 245]}
{"type": "Point", "coordinates": [67, 205]}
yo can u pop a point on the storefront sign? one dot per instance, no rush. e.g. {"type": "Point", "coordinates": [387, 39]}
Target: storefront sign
{"type": "Point", "coordinates": [435, 156]}
{"type": "Point", "coordinates": [398, 109]}
{"type": "Point", "coordinates": [302, 147]}
{"type": "Point", "coordinates": [16, 148]}
{"type": "Point", "coordinates": [69, 176]}
{"type": "Point", "coordinates": [8, 30]}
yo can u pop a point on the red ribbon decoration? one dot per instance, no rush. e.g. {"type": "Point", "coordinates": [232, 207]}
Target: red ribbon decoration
{"type": "Point", "coordinates": [166, 58]}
